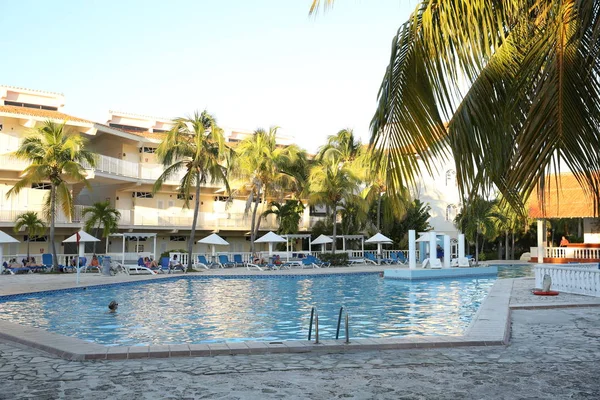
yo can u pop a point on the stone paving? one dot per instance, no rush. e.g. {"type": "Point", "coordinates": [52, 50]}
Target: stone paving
{"type": "Point", "coordinates": [553, 353]}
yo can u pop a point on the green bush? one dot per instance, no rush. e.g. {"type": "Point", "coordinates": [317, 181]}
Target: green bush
{"type": "Point", "coordinates": [336, 260]}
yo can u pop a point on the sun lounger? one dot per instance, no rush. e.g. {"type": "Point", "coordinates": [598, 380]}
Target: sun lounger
{"type": "Point", "coordinates": [370, 258]}
{"type": "Point", "coordinates": [237, 259]}
{"type": "Point", "coordinates": [224, 261]}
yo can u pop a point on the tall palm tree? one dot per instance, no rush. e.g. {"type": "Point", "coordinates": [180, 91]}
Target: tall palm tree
{"type": "Point", "coordinates": [330, 183]}
{"type": "Point", "coordinates": [268, 170]}
{"type": "Point", "coordinates": [531, 104]}
{"type": "Point", "coordinates": [101, 214]}
{"type": "Point", "coordinates": [344, 143]}
{"type": "Point", "coordinates": [196, 145]}
{"type": "Point", "coordinates": [479, 217]}
{"type": "Point", "coordinates": [33, 225]}
{"type": "Point", "coordinates": [58, 157]}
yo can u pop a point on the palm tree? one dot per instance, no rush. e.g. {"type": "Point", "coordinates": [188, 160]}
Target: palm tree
{"type": "Point", "coordinates": [531, 105]}
{"type": "Point", "coordinates": [268, 170]}
{"type": "Point", "coordinates": [288, 215]}
{"type": "Point", "coordinates": [479, 217]}
{"type": "Point", "coordinates": [330, 183]}
{"type": "Point", "coordinates": [101, 214]}
{"type": "Point", "coordinates": [343, 143]}
{"type": "Point", "coordinates": [33, 225]}
{"type": "Point", "coordinates": [196, 145]}
{"type": "Point", "coordinates": [58, 157]}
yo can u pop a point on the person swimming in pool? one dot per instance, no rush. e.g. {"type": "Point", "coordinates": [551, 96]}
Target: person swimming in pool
{"type": "Point", "coordinates": [112, 306]}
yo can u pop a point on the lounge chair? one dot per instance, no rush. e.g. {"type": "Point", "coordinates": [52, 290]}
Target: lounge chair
{"type": "Point", "coordinates": [318, 262]}
{"type": "Point", "coordinates": [308, 263]}
{"type": "Point", "coordinates": [370, 257]}
{"type": "Point", "coordinates": [201, 262]}
{"type": "Point", "coordinates": [237, 259]}
{"type": "Point", "coordinates": [224, 261]}
{"type": "Point", "coordinates": [16, 270]}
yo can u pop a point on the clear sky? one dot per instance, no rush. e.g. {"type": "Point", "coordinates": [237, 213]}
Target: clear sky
{"type": "Point", "coordinates": [252, 63]}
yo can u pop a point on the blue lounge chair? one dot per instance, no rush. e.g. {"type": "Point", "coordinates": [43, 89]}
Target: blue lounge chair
{"type": "Point", "coordinates": [224, 261]}
{"type": "Point", "coordinates": [237, 259]}
{"type": "Point", "coordinates": [16, 270]}
{"type": "Point", "coordinates": [47, 262]}
{"type": "Point", "coordinates": [370, 257]}
{"type": "Point", "coordinates": [319, 263]}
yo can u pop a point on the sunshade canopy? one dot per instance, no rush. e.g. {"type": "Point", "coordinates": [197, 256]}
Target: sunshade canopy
{"type": "Point", "coordinates": [379, 238]}
{"type": "Point", "coordinates": [6, 238]}
{"type": "Point", "coordinates": [214, 239]}
{"type": "Point", "coordinates": [270, 238]}
{"type": "Point", "coordinates": [322, 239]}
{"type": "Point", "coordinates": [83, 237]}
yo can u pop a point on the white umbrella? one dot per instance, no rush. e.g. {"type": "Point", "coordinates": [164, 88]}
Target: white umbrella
{"type": "Point", "coordinates": [379, 239]}
{"type": "Point", "coordinates": [426, 237]}
{"type": "Point", "coordinates": [271, 238]}
{"type": "Point", "coordinates": [322, 240]}
{"type": "Point", "coordinates": [214, 240]}
{"type": "Point", "coordinates": [80, 237]}
{"type": "Point", "coordinates": [5, 238]}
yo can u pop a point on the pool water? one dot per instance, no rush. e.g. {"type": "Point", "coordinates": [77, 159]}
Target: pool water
{"type": "Point", "coordinates": [196, 309]}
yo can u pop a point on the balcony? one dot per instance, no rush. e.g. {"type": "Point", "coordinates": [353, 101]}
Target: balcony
{"type": "Point", "coordinates": [117, 167]}
{"type": "Point", "coordinates": [10, 215]}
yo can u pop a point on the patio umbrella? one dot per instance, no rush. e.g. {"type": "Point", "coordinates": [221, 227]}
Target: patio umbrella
{"type": "Point", "coordinates": [271, 238]}
{"type": "Point", "coordinates": [379, 239]}
{"type": "Point", "coordinates": [80, 238]}
{"type": "Point", "coordinates": [322, 240]}
{"type": "Point", "coordinates": [5, 238]}
{"type": "Point", "coordinates": [214, 240]}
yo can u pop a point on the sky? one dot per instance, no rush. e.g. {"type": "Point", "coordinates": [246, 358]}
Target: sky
{"type": "Point", "coordinates": [250, 63]}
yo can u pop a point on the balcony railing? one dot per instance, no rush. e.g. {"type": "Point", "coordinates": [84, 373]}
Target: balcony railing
{"type": "Point", "coordinates": [583, 253]}
{"type": "Point", "coordinates": [11, 163]}
{"type": "Point", "coordinates": [76, 218]}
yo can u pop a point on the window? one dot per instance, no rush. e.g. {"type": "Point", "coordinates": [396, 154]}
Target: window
{"type": "Point", "coordinates": [41, 186]}
{"type": "Point", "coordinates": [160, 205]}
{"type": "Point", "coordinates": [317, 211]}
{"type": "Point", "coordinates": [148, 150]}
{"type": "Point", "coordinates": [222, 198]}
{"type": "Point", "coordinates": [234, 140]}
{"type": "Point", "coordinates": [177, 238]}
{"type": "Point", "coordinates": [451, 177]}
{"type": "Point", "coordinates": [28, 105]}
{"type": "Point", "coordinates": [36, 238]}
{"type": "Point", "coordinates": [181, 196]}
{"type": "Point", "coordinates": [139, 248]}
{"type": "Point", "coordinates": [142, 195]}
{"type": "Point", "coordinates": [451, 212]}
{"type": "Point", "coordinates": [127, 127]}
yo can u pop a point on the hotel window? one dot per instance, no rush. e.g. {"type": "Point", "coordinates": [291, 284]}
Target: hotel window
{"type": "Point", "coordinates": [451, 212]}
{"type": "Point", "coordinates": [28, 105]}
{"type": "Point", "coordinates": [139, 248]}
{"type": "Point", "coordinates": [148, 150]}
{"type": "Point", "coordinates": [177, 239]}
{"type": "Point", "coordinates": [181, 196]}
{"type": "Point", "coordinates": [451, 177]}
{"type": "Point", "coordinates": [142, 195]}
{"type": "Point", "coordinates": [222, 198]}
{"type": "Point", "coordinates": [41, 186]}
{"type": "Point", "coordinates": [32, 239]}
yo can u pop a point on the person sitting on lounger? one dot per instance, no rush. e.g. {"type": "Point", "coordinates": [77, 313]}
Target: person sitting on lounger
{"type": "Point", "coordinates": [32, 262]}
{"type": "Point", "coordinates": [147, 262]}
{"type": "Point", "coordinates": [257, 259]}
{"type": "Point", "coordinates": [174, 263]}
{"type": "Point", "coordinates": [14, 264]}
{"type": "Point", "coordinates": [94, 262]}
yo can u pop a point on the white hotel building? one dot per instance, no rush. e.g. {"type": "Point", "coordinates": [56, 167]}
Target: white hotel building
{"type": "Point", "coordinates": [125, 172]}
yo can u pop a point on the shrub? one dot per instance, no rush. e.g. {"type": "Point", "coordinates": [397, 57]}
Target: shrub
{"type": "Point", "coordinates": [336, 260]}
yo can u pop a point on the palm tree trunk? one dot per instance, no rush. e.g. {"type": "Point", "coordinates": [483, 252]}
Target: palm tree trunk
{"type": "Point", "coordinates": [52, 218]}
{"type": "Point", "coordinates": [28, 241]}
{"type": "Point", "coordinates": [512, 248]}
{"type": "Point", "coordinates": [477, 248]}
{"type": "Point", "coordinates": [97, 231]}
{"type": "Point", "coordinates": [194, 221]}
{"type": "Point", "coordinates": [379, 213]}
{"type": "Point", "coordinates": [334, 236]}
{"type": "Point", "coordinates": [506, 243]}
{"type": "Point", "coordinates": [253, 221]}
{"type": "Point", "coordinates": [260, 214]}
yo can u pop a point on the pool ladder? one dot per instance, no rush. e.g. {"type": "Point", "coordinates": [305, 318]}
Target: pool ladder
{"type": "Point", "coordinates": [314, 318]}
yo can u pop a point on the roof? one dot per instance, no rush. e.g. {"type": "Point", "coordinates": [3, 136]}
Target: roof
{"type": "Point", "coordinates": [30, 90]}
{"type": "Point", "coordinates": [565, 200]}
{"type": "Point", "coordinates": [36, 112]}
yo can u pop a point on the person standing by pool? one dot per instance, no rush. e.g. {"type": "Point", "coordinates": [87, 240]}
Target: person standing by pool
{"type": "Point", "coordinates": [439, 252]}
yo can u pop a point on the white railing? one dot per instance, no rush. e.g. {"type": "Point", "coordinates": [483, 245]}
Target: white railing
{"type": "Point", "coordinates": [11, 163]}
{"type": "Point", "coordinates": [61, 218]}
{"type": "Point", "coordinates": [572, 252]}
{"type": "Point", "coordinates": [115, 166]}
{"type": "Point", "coordinates": [570, 278]}
{"type": "Point", "coordinates": [206, 220]}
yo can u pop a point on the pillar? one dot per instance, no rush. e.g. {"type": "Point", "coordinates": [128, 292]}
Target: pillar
{"type": "Point", "coordinates": [461, 246]}
{"type": "Point", "coordinates": [412, 251]}
{"type": "Point", "coordinates": [541, 239]}
{"type": "Point", "coordinates": [432, 247]}
{"type": "Point", "coordinates": [446, 251]}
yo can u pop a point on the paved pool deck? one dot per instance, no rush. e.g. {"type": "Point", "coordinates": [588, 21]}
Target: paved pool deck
{"type": "Point", "coordinates": [553, 352]}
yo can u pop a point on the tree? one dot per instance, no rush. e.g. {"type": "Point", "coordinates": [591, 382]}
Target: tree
{"type": "Point", "coordinates": [479, 217]}
{"type": "Point", "coordinates": [58, 157]}
{"type": "Point", "coordinates": [531, 105]}
{"type": "Point", "coordinates": [416, 217]}
{"type": "Point", "coordinates": [343, 144]}
{"type": "Point", "coordinates": [196, 145]}
{"type": "Point", "coordinates": [101, 214]}
{"type": "Point", "coordinates": [288, 215]}
{"type": "Point", "coordinates": [332, 182]}
{"type": "Point", "coordinates": [33, 225]}
{"type": "Point", "coordinates": [268, 170]}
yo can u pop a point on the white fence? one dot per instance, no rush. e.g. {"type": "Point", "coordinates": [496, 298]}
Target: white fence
{"type": "Point", "coordinates": [571, 278]}
{"type": "Point", "coordinates": [572, 252]}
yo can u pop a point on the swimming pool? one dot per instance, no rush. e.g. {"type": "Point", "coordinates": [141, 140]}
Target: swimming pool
{"type": "Point", "coordinates": [200, 309]}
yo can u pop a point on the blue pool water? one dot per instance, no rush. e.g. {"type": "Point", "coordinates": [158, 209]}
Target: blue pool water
{"type": "Point", "coordinates": [204, 310]}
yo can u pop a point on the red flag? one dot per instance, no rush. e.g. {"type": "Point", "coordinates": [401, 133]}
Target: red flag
{"type": "Point", "coordinates": [78, 237]}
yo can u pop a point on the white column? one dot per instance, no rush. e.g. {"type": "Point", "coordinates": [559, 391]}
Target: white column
{"type": "Point", "coordinates": [412, 249]}
{"type": "Point", "coordinates": [432, 247]}
{"type": "Point", "coordinates": [81, 251]}
{"type": "Point", "coordinates": [154, 248]}
{"type": "Point", "coordinates": [123, 255]}
{"type": "Point", "coordinates": [446, 251]}
{"type": "Point", "coordinates": [1, 256]}
{"type": "Point", "coordinates": [461, 246]}
{"type": "Point", "coordinates": [541, 238]}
